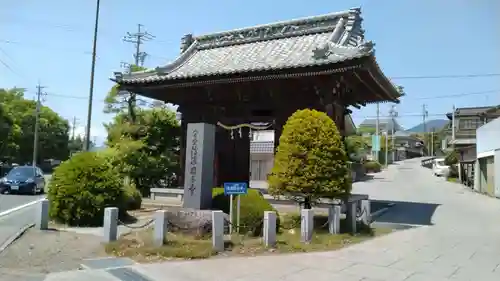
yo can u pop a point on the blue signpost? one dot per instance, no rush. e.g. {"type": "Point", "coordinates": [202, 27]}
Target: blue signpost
{"type": "Point", "coordinates": [235, 188]}
{"type": "Point", "coordinates": [231, 189]}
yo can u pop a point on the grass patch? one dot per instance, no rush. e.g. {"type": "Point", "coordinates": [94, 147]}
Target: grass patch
{"type": "Point", "coordinates": [452, 179]}
{"type": "Point", "coordinates": [138, 245]}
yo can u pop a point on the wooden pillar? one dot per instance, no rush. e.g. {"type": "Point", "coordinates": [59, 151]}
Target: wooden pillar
{"type": "Point", "coordinates": [331, 98]}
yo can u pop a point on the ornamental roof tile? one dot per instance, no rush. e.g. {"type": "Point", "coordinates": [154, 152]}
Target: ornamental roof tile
{"type": "Point", "coordinates": [296, 43]}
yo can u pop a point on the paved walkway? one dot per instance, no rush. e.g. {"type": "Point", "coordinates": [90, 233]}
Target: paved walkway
{"type": "Point", "coordinates": [457, 238]}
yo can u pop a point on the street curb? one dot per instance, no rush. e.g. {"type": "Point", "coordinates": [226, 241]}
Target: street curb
{"type": "Point", "coordinates": [15, 209]}
{"type": "Point", "coordinates": [380, 212]}
{"type": "Point", "coordinates": [14, 237]}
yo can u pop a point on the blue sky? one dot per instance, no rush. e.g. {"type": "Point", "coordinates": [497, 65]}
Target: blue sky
{"type": "Point", "coordinates": [50, 41]}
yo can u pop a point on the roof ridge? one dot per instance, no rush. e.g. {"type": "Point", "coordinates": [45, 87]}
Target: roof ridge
{"type": "Point", "coordinates": [281, 29]}
{"type": "Point", "coordinates": [280, 23]}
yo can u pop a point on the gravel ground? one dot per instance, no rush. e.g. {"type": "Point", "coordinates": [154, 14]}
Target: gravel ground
{"type": "Point", "coordinates": [38, 253]}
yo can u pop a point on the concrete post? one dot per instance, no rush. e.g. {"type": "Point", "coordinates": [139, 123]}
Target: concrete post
{"type": "Point", "coordinates": [218, 231]}
{"type": "Point", "coordinates": [334, 219]}
{"type": "Point", "coordinates": [42, 215]}
{"type": "Point", "coordinates": [306, 225]}
{"type": "Point", "coordinates": [160, 227]}
{"type": "Point", "coordinates": [110, 224]}
{"type": "Point", "coordinates": [365, 209]}
{"type": "Point", "coordinates": [269, 234]}
{"type": "Point", "coordinates": [351, 216]}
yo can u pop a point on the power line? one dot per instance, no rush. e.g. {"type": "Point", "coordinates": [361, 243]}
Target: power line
{"type": "Point", "coordinates": [72, 28]}
{"type": "Point", "coordinates": [460, 95]}
{"type": "Point", "coordinates": [425, 98]}
{"type": "Point", "coordinates": [448, 76]}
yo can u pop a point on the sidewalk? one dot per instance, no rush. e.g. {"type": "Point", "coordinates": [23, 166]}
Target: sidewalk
{"type": "Point", "coordinates": [454, 237]}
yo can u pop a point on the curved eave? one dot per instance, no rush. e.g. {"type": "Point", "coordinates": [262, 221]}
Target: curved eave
{"type": "Point", "coordinates": [321, 68]}
{"type": "Point", "coordinates": [383, 81]}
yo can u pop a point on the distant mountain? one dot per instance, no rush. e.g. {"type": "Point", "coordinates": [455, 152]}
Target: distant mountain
{"type": "Point", "coordinates": [431, 125]}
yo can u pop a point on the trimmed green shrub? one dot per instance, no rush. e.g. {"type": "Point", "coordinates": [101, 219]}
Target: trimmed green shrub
{"type": "Point", "coordinates": [252, 208]}
{"type": "Point", "coordinates": [372, 166]}
{"type": "Point", "coordinates": [453, 173]}
{"type": "Point", "coordinates": [311, 162]}
{"type": "Point", "coordinates": [452, 158]}
{"type": "Point", "coordinates": [133, 197]}
{"type": "Point", "coordinates": [82, 187]}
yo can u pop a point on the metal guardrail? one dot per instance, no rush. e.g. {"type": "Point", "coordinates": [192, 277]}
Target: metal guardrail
{"type": "Point", "coordinates": [427, 163]}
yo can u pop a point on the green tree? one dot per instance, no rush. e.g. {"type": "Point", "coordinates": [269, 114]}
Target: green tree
{"type": "Point", "coordinates": [117, 101]}
{"type": "Point", "coordinates": [17, 143]}
{"type": "Point", "coordinates": [148, 149]}
{"type": "Point", "coordinates": [310, 162]}
{"type": "Point", "coordinates": [355, 146]}
{"type": "Point", "coordinates": [144, 142]}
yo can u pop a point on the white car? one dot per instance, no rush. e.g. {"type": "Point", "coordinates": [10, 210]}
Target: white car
{"type": "Point", "coordinates": [439, 168]}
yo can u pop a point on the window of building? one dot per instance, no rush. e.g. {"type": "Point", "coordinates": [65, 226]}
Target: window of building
{"type": "Point", "coordinates": [470, 124]}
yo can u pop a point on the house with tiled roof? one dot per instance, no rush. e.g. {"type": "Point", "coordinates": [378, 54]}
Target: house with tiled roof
{"type": "Point", "coordinates": [389, 125]}
{"type": "Point", "coordinates": [467, 121]}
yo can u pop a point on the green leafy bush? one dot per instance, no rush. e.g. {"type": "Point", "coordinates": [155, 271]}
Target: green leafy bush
{"type": "Point", "coordinates": [453, 173]}
{"type": "Point", "coordinates": [133, 197]}
{"type": "Point", "coordinates": [82, 187]}
{"type": "Point", "coordinates": [451, 158]}
{"type": "Point", "coordinates": [252, 208]}
{"type": "Point", "coordinates": [311, 161]}
{"type": "Point", "coordinates": [372, 166]}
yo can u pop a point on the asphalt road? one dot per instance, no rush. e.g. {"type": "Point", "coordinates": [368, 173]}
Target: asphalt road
{"type": "Point", "coordinates": [8, 201]}
{"type": "Point", "coordinates": [13, 222]}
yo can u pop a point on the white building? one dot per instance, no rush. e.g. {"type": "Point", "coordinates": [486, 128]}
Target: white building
{"type": "Point", "coordinates": [487, 175]}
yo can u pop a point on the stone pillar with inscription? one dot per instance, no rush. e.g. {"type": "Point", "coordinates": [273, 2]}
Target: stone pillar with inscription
{"type": "Point", "coordinates": [199, 168]}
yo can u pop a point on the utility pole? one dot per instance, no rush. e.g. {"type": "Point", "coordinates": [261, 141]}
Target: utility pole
{"type": "Point", "coordinates": [92, 74]}
{"type": "Point", "coordinates": [393, 113]}
{"type": "Point", "coordinates": [425, 113]}
{"type": "Point", "coordinates": [377, 133]}
{"type": "Point", "coordinates": [73, 127]}
{"type": "Point", "coordinates": [138, 38]}
{"type": "Point", "coordinates": [39, 94]}
{"type": "Point", "coordinates": [453, 128]}
{"type": "Point", "coordinates": [386, 148]}
{"type": "Point", "coordinates": [432, 143]}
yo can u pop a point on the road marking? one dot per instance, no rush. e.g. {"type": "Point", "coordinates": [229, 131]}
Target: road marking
{"type": "Point", "coordinates": [15, 209]}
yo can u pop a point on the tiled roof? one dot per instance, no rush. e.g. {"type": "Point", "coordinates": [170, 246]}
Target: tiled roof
{"type": "Point", "coordinates": [384, 123]}
{"type": "Point", "coordinates": [303, 42]}
{"type": "Point", "coordinates": [471, 111]}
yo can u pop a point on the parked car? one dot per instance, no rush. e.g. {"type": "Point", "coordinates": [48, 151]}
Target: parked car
{"type": "Point", "coordinates": [23, 179]}
{"type": "Point", "coordinates": [439, 168]}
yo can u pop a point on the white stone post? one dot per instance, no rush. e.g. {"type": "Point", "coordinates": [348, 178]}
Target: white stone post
{"type": "Point", "coordinates": [365, 208]}
{"type": "Point", "coordinates": [218, 231]}
{"type": "Point", "coordinates": [160, 227]}
{"type": "Point", "coordinates": [351, 216]}
{"type": "Point", "coordinates": [306, 225]}
{"type": "Point", "coordinates": [269, 231]}
{"type": "Point", "coordinates": [334, 219]}
{"type": "Point", "coordinates": [110, 224]}
{"type": "Point", "coordinates": [42, 215]}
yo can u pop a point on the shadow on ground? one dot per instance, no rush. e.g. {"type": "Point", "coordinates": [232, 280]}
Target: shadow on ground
{"type": "Point", "coordinates": [407, 213]}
